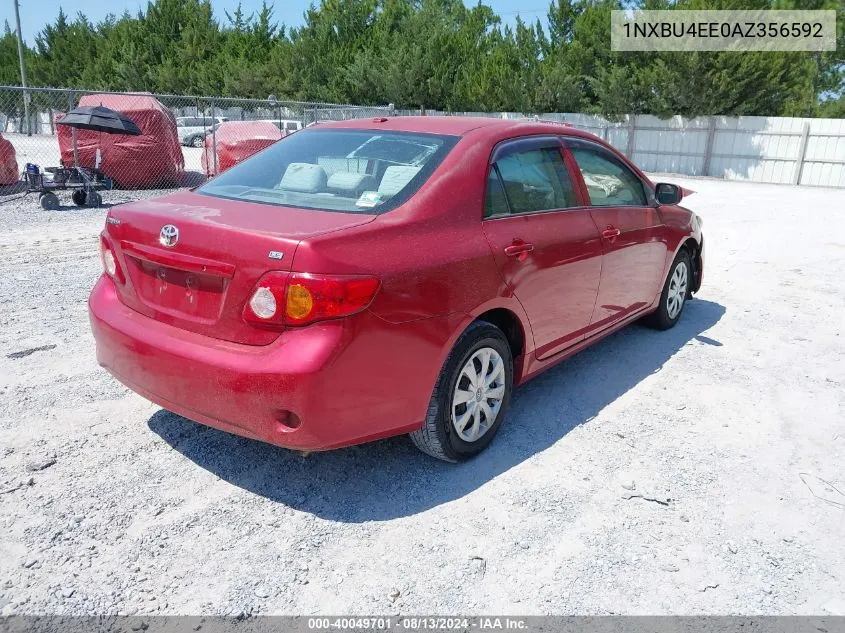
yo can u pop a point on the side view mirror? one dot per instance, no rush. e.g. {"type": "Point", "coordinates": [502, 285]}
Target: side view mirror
{"type": "Point", "coordinates": [668, 194]}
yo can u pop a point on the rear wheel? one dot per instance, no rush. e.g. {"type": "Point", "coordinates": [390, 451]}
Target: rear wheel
{"type": "Point", "coordinates": [471, 396]}
{"type": "Point", "coordinates": [674, 295]}
{"type": "Point", "coordinates": [198, 141]}
{"type": "Point", "coordinates": [93, 199]}
{"type": "Point", "coordinates": [78, 197]}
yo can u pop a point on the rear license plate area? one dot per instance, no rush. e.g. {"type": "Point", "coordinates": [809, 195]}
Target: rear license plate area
{"type": "Point", "coordinates": [179, 291]}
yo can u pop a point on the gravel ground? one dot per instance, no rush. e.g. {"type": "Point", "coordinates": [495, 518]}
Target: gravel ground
{"type": "Point", "coordinates": [686, 472]}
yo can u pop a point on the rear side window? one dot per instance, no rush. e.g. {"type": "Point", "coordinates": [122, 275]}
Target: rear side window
{"type": "Point", "coordinates": [528, 182]}
{"type": "Point", "coordinates": [496, 203]}
{"type": "Point", "coordinates": [352, 171]}
{"type": "Point", "coordinates": [609, 182]}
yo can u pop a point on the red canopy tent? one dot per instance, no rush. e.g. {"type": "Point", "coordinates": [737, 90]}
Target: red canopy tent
{"type": "Point", "coordinates": [9, 173]}
{"type": "Point", "coordinates": [153, 159]}
{"type": "Point", "coordinates": [236, 141]}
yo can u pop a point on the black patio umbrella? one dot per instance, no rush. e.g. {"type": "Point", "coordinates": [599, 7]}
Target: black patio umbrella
{"type": "Point", "coordinates": [100, 119]}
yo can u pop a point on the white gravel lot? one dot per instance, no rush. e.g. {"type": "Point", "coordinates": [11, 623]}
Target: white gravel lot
{"type": "Point", "coordinates": [685, 472]}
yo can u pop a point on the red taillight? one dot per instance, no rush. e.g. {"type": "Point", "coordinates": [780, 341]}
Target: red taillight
{"type": "Point", "coordinates": [316, 297]}
{"type": "Point", "coordinates": [109, 260]}
{"type": "Point", "coordinates": [281, 299]}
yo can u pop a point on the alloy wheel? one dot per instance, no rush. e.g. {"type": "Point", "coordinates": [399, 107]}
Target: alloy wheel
{"type": "Point", "coordinates": [677, 290]}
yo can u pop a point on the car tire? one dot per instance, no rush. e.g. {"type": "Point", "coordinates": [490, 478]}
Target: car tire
{"type": "Point", "coordinates": [452, 430]}
{"type": "Point", "coordinates": [198, 141]}
{"type": "Point", "coordinates": [93, 199]}
{"type": "Point", "coordinates": [676, 291]}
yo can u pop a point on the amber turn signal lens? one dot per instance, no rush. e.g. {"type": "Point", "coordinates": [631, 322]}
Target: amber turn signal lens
{"type": "Point", "coordinates": [299, 302]}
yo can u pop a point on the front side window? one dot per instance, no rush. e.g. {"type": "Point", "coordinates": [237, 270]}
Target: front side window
{"type": "Point", "coordinates": [528, 182]}
{"type": "Point", "coordinates": [609, 182]}
{"type": "Point", "coordinates": [351, 171]}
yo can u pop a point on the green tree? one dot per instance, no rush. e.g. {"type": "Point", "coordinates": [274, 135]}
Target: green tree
{"type": "Point", "coordinates": [432, 54]}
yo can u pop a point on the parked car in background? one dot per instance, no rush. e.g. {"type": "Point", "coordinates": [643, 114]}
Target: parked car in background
{"type": "Point", "coordinates": [192, 129]}
{"type": "Point", "coordinates": [235, 141]}
{"type": "Point", "coordinates": [373, 277]}
{"type": "Point", "coordinates": [197, 139]}
{"type": "Point", "coordinates": [152, 159]}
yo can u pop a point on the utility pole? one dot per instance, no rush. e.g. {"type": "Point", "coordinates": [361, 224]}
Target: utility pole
{"type": "Point", "coordinates": [23, 69]}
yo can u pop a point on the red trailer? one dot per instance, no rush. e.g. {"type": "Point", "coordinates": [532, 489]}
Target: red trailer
{"type": "Point", "coordinates": [9, 173]}
{"type": "Point", "coordinates": [236, 141]}
{"type": "Point", "coordinates": [153, 159]}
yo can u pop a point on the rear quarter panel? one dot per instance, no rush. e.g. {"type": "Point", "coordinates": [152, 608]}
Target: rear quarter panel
{"type": "Point", "coordinates": [430, 254]}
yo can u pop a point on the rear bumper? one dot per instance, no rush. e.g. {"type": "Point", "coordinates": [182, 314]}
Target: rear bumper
{"type": "Point", "coordinates": [320, 387]}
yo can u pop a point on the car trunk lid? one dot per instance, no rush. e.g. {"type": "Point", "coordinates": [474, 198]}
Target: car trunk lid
{"type": "Point", "coordinates": [192, 260]}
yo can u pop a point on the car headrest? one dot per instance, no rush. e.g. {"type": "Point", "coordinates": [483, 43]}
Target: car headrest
{"type": "Point", "coordinates": [349, 181]}
{"type": "Point", "coordinates": [395, 178]}
{"type": "Point", "coordinates": [304, 177]}
{"type": "Point", "coordinates": [333, 164]}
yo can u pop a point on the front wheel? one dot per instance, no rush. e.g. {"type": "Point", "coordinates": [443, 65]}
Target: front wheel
{"type": "Point", "coordinates": [198, 141]}
{"type": "Point", "coordinates": [470, 397]}
{"type": "Point", "coordinates": [674, 295]}
{"type": "Point", "coordinates": [49, 201]}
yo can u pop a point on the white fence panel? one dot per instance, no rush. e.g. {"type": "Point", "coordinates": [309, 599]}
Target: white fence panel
{"type": "Point", "coordinates": [783, 150]}
{"type": "Point", "coordinates": [673, 145]}
{"type": "Point", "coordinates": [824, 159]}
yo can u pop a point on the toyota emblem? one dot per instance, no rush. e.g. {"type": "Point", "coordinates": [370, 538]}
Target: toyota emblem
{"type": "Point", "coordinates": [169, 235]}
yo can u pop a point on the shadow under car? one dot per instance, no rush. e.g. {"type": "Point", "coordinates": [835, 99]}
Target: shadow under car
{"type": "Point", "coordinates": [390, 478]}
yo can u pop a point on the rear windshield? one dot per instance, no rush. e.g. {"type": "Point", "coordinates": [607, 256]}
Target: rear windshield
{"type": "Point", "coordinates": [351, 171]}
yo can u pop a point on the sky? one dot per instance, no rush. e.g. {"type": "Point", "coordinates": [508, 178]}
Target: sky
{"type": "Point", "coordinates": [35, 14]}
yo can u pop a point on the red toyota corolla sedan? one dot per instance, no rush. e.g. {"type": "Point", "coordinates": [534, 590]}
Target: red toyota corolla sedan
{"type": "Point", "coordinates": [370, 278]}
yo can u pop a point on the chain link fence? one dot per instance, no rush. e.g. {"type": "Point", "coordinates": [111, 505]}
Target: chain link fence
{"type": "Point", "coordinates": [186, 139]}
{"type": "Point", "coordinates": [183, 141]}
